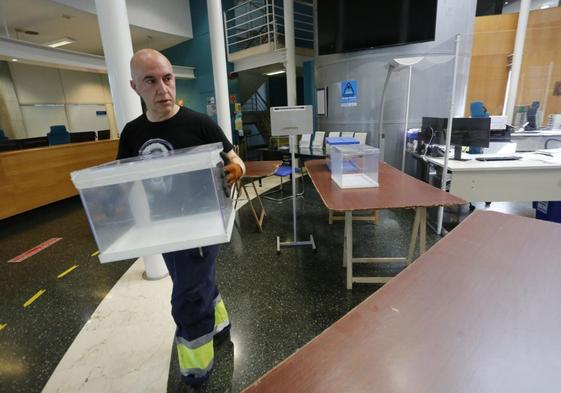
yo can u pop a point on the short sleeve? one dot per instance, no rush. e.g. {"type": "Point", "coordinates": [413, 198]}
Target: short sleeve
{"type": "Point", "coordinates": [124, 150]}
{"type": "Point", "coordinates": [213, 133]}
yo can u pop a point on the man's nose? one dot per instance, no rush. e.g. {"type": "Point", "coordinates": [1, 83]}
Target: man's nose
{"type": "Point", "coordinates": [160, 86]}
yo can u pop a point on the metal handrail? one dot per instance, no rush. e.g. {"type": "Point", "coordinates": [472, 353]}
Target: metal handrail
{"type": "Point", "coordinates": [246, 22]}
{"type": "Point", "coordinates": [247, 13]}
{"type": "Point", "coordinates": [245, 31]}
{"type": "Point", "coordinates": [241, 34]}
{"type": "Point", "coordinates": [242, 4]}
{"type": "Point", "coordinates": [250, 38]}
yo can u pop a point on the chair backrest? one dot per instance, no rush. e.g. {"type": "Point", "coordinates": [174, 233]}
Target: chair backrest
{"type": "Point", "coordinates": [305, 140]}
{"type": "Point", "coordinates": [334, 134]}
{"type": "Point", "coordinates": [83, 136]}
{"type": "Point", "coordinates": [3, 136]}
{"type": "Point", "coordinates": [478, 109]}
{"type": "Point", "coordinates": [348, 133]}
{"type": "Point", "coordinates": [319, 136]}
{"type": "Point", "coordinates": [103, 134]}
{"type": "Point", "coordinates": [361, 137]}
{"type": "Point", "coordinates": [58, 129]}
{"type": "Point", "coordinates": [58, 135]}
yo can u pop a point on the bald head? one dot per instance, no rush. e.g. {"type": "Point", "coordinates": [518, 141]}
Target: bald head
{"type": "Point", "coordinates": [146, 56]}
{"type": "Point", "coordinates": [153, 80]}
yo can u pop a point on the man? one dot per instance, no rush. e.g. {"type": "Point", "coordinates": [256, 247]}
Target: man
{"type": "Point", "coordinates": [197, 307]}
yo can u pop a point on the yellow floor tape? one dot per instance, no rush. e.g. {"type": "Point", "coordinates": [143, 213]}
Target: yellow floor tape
{"type": "Point", "coordinates": [34, 297]}
{"type": "Point", "coordinates": [64, 273]}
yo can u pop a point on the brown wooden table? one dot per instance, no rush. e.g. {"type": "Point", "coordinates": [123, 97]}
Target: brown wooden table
{"type": "Point", "coordinates": [255, 170]}
{"type": "Point", "coordinates": [478, 312]}
{"type": "Point", "coordinates": [396, 190]}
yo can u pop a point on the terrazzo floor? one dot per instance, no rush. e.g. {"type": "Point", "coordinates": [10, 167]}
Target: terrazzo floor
{"type": "Point", "coordinates": [101, 328]}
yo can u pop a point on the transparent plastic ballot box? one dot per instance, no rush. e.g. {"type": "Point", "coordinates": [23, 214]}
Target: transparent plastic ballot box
{"type": "Point", "coordinates": [337, 141]}
{"type": "Point", "coordinates": [157, 203]}
{"type": "Point", "coordinates": [355, 166]}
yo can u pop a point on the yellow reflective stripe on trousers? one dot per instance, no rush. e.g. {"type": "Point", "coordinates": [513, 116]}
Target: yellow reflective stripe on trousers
{"type": "Point", "coordinates": [195, 361]}
{"type": "Point", "coordinates": [220, 316]}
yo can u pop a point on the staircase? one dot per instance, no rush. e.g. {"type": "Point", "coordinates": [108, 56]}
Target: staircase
{"type": "Point", "coordinates": [255, 32]}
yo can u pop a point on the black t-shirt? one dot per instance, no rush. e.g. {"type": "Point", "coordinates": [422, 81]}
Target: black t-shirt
{"type": "Point", "coordinates": [186, 128]}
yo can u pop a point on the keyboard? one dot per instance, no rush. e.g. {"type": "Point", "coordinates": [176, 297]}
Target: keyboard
{"type": "Point", "coordinates": [498, 158]}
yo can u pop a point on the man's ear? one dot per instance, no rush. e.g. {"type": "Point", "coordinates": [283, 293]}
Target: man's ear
{"type": "Point", "coordinates": [133, 85]}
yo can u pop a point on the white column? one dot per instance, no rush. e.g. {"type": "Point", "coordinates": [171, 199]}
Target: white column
{"type": "Point", "coordinates": [290, 47]}
{"type": "Point", "coordinates": [517, 59]}
{"type": "Point", "coordinates": [222, 99]}
{"type": "Point", "coordinates": [117, 48]}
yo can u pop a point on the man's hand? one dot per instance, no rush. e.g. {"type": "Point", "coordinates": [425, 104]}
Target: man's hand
{"type": "Point", "coordinates": [233, 172]}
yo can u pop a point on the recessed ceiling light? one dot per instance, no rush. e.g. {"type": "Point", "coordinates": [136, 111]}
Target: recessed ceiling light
{"type": "Point", "coordinates": [275, 72]}
{"type": "Point", "coordinates": [14, 59]}
{"type": "Point", "coordinates": [60, 42]}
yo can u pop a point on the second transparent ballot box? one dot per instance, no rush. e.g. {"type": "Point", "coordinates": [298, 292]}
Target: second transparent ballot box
{"type": "Point", "coordinates": [355, 166]}
{"type": "Point", "coordinates": [157, 203]}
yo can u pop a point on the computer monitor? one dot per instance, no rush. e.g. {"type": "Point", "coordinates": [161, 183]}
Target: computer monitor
{"type": "Point", "coordinates": [292, 120]}
{"type": "Point", "coordinates": [82, 136]}
{"type": "Point", "coordinates": [31, 143]}
{"type": "Point", "coordinates": [432, 129]}
{"type": "Point", "coordinates": [469, 131]}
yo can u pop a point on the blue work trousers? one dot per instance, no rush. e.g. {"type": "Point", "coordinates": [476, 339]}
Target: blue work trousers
{"type": "Point", "coordinates": [194, 290]}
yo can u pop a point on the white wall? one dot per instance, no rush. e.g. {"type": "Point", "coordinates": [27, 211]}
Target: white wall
{"type": "Point", "coordinates": [166, 16]}
{"type": "Point", "coordinates": [431, 85]}
{"type": "Point", "coordinates": [11, 119]}
{"type": "Point", "coordinates": [49, 96]}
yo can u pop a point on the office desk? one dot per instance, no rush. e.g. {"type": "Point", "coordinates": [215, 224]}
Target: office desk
{"type": "Point", "coordinates": [397, 190]}
{"type": "Point", "coordinates": [32, 178]}
{"type": "Point", "coordinates": [533, 178]}
{"type": "Point", "coordinates": [531, 141]}
{"type": "Point", "coordinates": [479, 312]}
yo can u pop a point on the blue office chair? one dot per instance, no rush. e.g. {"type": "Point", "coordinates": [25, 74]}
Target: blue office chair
{"type": "Point", "coordinates": [58, 135]}
{"type": "Point", "coordinates": [283, 171]}
{"type": "Point", "coordinates": [3, 136]}
{"type": "Point", "coordinates": [478, 109]}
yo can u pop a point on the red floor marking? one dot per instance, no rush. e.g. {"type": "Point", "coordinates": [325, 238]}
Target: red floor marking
{"type": "Point", "coordinates": [35, 250]}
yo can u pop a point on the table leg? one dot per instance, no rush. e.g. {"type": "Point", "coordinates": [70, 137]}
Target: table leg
{"type": "Point", "coordinates": [263, 211]}
{"type": "Point", "coordinates": [258, 220]}
{"type": "Point", "coordinates": [423, 230]}
{"type": "Point", "coordinates": [237, 192]}
{"type": "Point", "coordinates": [415, 232]}
{"type": "Point", "coordinates": [348, 248]}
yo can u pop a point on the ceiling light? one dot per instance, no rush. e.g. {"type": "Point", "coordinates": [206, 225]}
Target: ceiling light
{"type": "Point", "coordinates": [275, 72]}
{"type": "Point", "coordinates": [14, 59]}
{"type": "Point", "coordinates": [543, 7]}
{"type": "Point", "coordinates": [60, 42]}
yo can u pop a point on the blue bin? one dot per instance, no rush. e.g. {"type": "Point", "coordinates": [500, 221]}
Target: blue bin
{"type": "Point", "coordinates": [548, 211]}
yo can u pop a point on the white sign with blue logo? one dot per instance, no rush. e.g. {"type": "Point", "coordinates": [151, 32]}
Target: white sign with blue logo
{"type": "Point", "coordinates": [349, 93]}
